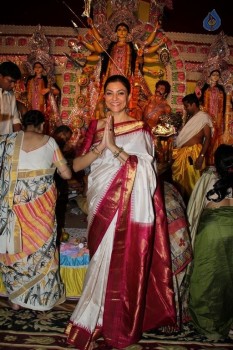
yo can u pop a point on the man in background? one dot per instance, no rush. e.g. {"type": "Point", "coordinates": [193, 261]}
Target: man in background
{"type": "Point", "coordinates": [62, 134]}
{"type": "Point", "coordinates": [156, 108]}
{"type": "Point", "coordinates": [9, 116]}
{"type": "Point", "coordinates": [191, 146]}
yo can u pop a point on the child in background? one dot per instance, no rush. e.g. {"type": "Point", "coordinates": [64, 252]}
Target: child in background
{"type": "Point", "coordinates": [62, 134]}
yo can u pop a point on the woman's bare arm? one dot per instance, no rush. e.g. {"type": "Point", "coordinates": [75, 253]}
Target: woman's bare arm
{"type": "Point", "coordinates": [64, 171]}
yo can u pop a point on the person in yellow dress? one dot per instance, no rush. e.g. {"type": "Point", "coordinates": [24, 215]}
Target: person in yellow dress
{"type": "Point", "coordinates": [191, 146]}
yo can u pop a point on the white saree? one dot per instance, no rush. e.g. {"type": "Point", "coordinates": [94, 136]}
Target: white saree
{"type": "Point", "coordinates": [121, 224]}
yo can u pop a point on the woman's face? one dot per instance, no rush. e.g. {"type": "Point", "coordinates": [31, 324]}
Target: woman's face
{"type": "Point", "coordinates": [116, 97]}
{"type": "Point", "coordinates": [122, 32]}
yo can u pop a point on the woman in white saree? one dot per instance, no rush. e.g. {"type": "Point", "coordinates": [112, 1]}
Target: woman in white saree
{"type": "Point", "coordinates": [128, 285]}
{"type": "Point", "coordinates": [29, 264]}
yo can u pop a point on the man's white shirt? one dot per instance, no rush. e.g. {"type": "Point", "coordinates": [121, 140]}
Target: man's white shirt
{"type": "Point", "coordinates": [8, 112]}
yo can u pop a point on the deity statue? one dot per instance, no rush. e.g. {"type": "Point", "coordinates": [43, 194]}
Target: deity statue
{"type": "Point", "coordinates": [42, 91]}
{"type": "Point", "coordinates": [212, 93]}
{"type": "Point", "coordinates": [121, 44]}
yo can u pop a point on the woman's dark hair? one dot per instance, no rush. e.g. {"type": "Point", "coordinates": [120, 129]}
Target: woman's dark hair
{"type": "Point", "coordinates": [108, 53]}
{"type": "Point", "coordinates": [223, 158]}
{"type": "Point", "coordinates": [62, 128]}
{"type": "Point", "coordinates": [120, 78]}
{"type": "Point", "coordinates": [33, 117]}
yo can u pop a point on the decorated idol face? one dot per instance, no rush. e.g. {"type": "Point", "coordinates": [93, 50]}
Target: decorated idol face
{"type": "Point", "coordinates": [122, 31]}
{"type": "Point", "coordinates": [38, 68]}
{"type": "Point", "coordinates": [214, 76]}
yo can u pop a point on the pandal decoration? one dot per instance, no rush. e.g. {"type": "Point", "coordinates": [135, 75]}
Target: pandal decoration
{"type": "Point", "coordinates": [164, 55]}
{"type": "Point", "coordinates": [81, 100]}
{"type": "Point", "coordinates": [87, 9]}
{"type": "Point", "coordinates": [217, 59]}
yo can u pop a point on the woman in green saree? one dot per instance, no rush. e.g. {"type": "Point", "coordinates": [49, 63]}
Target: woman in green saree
{"type": "Point", "coordinates": [211, 284]}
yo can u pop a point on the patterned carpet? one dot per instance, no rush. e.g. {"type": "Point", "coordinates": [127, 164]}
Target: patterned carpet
{"type": "Point", "coordinates": [28, 329]}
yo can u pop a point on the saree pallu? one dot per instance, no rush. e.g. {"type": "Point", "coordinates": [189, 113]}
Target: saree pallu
{"type": "Point", "coordinates": [128, 285]}
{"type": "Point", "coordinates": [211, 285]}
{"type": "Point", "coordinates": [31, 277]}
{"type": "Point", "coordinates": [184, 173]}
{"type": "Point", "coordinates": [181, 249]}
{"type": "Point", "coordinates": [29, 258]}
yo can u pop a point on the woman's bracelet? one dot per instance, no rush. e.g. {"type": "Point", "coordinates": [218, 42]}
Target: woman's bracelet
{"type": "Point", "coordinates": [95, 150]}
{"type": "Point", "coordinates": [117, 153]}
{"type": "Point", "coordinates": [61, 172]}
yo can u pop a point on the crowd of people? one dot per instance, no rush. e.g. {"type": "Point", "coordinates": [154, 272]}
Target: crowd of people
{"type": "Point", "coordinates": [161, 251]}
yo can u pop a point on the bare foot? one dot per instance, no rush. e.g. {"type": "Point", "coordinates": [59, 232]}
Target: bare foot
{"type": "Point", "coordinates": [15, 307]}
{"type": "Point", "coordinates": [92, 345]}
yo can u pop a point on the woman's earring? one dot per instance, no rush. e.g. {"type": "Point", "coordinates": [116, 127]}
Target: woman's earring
{"type": "Point", "coordinates": [106, 110]}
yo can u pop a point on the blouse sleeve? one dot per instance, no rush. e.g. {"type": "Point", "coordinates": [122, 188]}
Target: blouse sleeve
{"type": "Point", "coordinates": [58, 157]}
